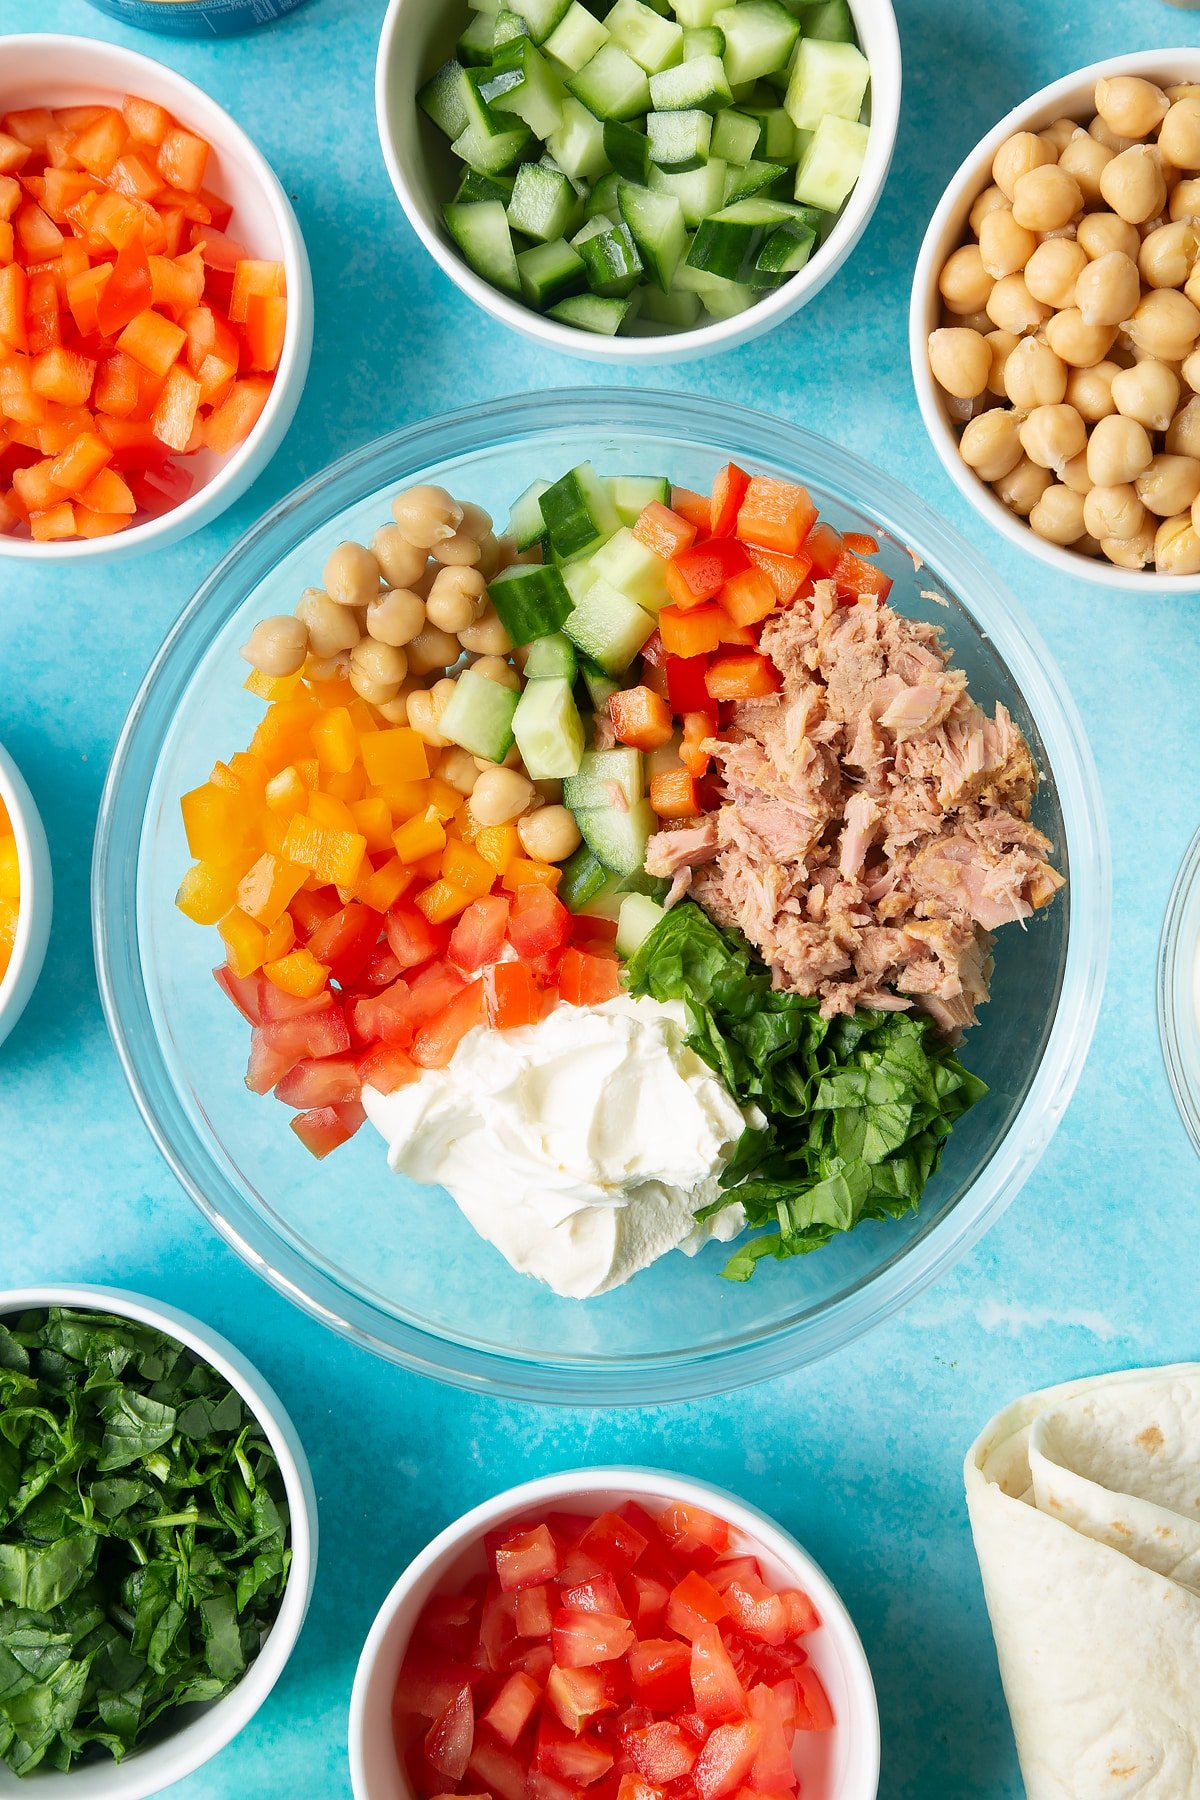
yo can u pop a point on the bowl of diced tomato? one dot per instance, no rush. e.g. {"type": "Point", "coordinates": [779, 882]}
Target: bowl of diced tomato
{"type": "Point", "coordinates": [619, 1633]}
{"type": "Point", "coordinates": [155, 303]}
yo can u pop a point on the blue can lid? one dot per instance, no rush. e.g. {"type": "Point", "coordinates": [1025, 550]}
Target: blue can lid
{"type": "Point", "coordinates": [196, 18]}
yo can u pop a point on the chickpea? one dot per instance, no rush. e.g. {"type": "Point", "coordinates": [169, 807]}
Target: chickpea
{"type": "Point", "coordinates": [487, 636]}
{"type": "Point", "coordinates": [1113, 512]}
{"type": "Point", "coordinates": [1052, 435]}
{"type": "Point", "coordinates": [1075, 341]}
{"type": "Point", "coordinates": [1118, 450]}
{"type": "Point", "coordinates": [1165, 325]}
{"type": "Point", "coordinates": [423, 718]}
{"type": "Point", "coordinates": [1132, 552]}
{"type": "Point", "coordinates": [960, 361]}
{"type": "Point", "coordinates": [1112, 140]}
{"type": "Point", "coordinates": [495, 668]}
{"type": "Point", "coordinates": [458, 552]}
{"type": "Point", "coordinates": [331, 628]}
{"type": "Point", "coordinates": [456, 599]}
{"type": "Point", "coordinates": [496, 554]}
{"type": "Point", "coordinates": [400, 563]}
{"type": "Point", "coordinates": [964, 283]}
{"type": "Point", "coordinates": [1132, 184]}
{"type": "Point", "coordinates": [1016, 156]}
{"type": "Point", "coordinates": [1108, 290]}
{"type": "Point", "coordinates": [1001, 345]}
{"type": "Point", "coordinates": [396, 617]}
{"type": "Point", "coordinates": [328, 668]}
{"type": "Point", "coordinates": [458, 768]}
{"type": "Point", "coordinates": [1058, 515]}
{"type": "Point", "coordinates": [277, 646]}
{"type": "Point", "coordinates": [431, 649]}
{"type": "Point", "coordinates": [1045, 199]}
{"type": "Point", "coordinates": [1005, 246]}
{"type": "Point", "coordinates": [1053, 270]}
{"type": "Point", "coordinates": [1089, 391]}
{"type": "Point", "coordinates": [1084, 159]}
{"type": "Point", "coordinates": [1183, 433]}
{"type": "Point", "coordinates": [376, 670]}
{"type": "Point", "coordinates": [991, 198]}
{"type": "Point", "coordinates": [1012, 307]}
{"type": "Point", "coordinates": [1034, 376]}
{"type": "Point", "coordinates": [1191, 286]}
{"type": "Point", "coordinates": [1185, 200]}
{"type": "Point", "coordinates": [1149, 393]}
{"type": "Point", "coordinates": [991, 444]}
{"type": "Point", "coordinates": [352, 575]}
{"type": "Point", "coordinates": [427, 515]}
{"type": "Point", "coordinates": [442, 693]}
{"type": "Point", "coordinates": [395, 711]}
{"type": "Point", "coordinates": [1183, 90]}
{"type": "Point", "coordinates": [1023, 486]}
{"type": "Point", "coordinates": [1075, 475]}
{"type": "Point", "coordinates": [1059, 134]}
{"type": "Point", "coordinates": [1177, 547]}
{"type": "Point", "coordinates": [1179, 134]}
{"type": "Point", "coordinates": [1087, 545]}
{"type": "Point", "coordinates": [1169, 484]}
{"type": "Point", "coordinates": [500, 795]}
{"type": "Point", "coordinates": [1167, 254]}
{"type": "Point", "coordinates": [548, 835]}
{"type": "Point", "coordinates": [1099, 233]}
{"type": "Point", "coordinates": [1189, 369]}
{"type": "Point", "coordinates": [1130, 105]}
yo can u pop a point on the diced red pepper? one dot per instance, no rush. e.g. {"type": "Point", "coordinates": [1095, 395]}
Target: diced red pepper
{"type": "Point", "coordinates": [729, 490]}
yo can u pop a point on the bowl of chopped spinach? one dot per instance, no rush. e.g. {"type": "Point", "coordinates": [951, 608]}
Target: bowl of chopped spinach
{"type": "Point", "coordinates": [157, 1543]}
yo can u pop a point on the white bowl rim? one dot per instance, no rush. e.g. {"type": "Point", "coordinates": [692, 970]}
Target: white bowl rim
{"type": "Point", "coordinates": [154, 1767]}
{"type": "Point", "coordinates": [701, 340]}
{"type": "Point", "coordinates": [36, 901]}
{"type": "Point", "coordinates": [637, 1480]}
{"type": "Point", "coordinates": [962, 187]}
{"type": "Point", "coordinates": [190, 103]}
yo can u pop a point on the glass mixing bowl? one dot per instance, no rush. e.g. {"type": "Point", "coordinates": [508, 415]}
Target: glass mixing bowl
{"type": "Point", "coordinates": [394, 1266]}
{"type": "Point", "coordinates": [1179, 991]}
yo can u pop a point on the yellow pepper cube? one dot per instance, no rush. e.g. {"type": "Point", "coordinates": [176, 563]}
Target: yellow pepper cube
{"type": "Point", "coordinates": [521, 871]}
{"type": "Point", "coordinates": [250, 774]}
{"type": "Point", "coordinates": [425, 836]}
{"type": "Point", "coordinates": [335, 740]}
{"type": "Point", "coordinates": [280, 938]}
{"type": "Point", "coordinates": [333, 856]}
{"type": "Point", "coordinates": [216, 820]}
{"type": "Point", "coordinates": [282, 734]}
{"type": "Point", "coordinates": [309, 771]}
{"type": "Point", "coordinates": [390, 757]}
{"type": "Point", "coordinates": [444, 799]}
{"type": "Point", "coordinates": [383, 886]}
{"type": "Point", "coordinates": [10, 869]}
{"type": "Point", "coordinates": [268, 889]}
{"type": "Point", "coordinates": [406, 799]}
{"type": "Point", "coordinates": [442, 900]}
{"type": "Point", "coordinates": [337, 692]}
{"type": "Point", "coordinates": [271, 687]}
{"type": "Point", "coordinates": [245, 942]}
{"type": "Point", "coordinates": [286, 792]}
{"type": "Point", "coordinates": [328, 810]}
{"type": "Point", "coordinates": [373, 817]}
{"type": "Point", "coordinates": [466, 868]}
{"type": "Point", "coordinates": [298, 973]}
{"type": "Point", "coordinates": [351, 785]}
{"type": "Point", "coordinates": [208, 890]}
{"type": "Point", "coordinates": [363, 716]}
{"type": "Point", "coordinates": [498, 845]}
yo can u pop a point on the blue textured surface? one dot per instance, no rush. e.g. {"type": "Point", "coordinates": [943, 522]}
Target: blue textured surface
{"type": "Point", "coordinates": [1094, 1266]}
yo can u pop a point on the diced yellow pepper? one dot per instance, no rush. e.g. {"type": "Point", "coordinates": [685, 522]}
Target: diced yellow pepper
{"type": "Point", "coordinates": [466, 868]}
{"type": "Point", "coordinates": [285, 792]}
{"type": "Point", "coordinates": [298, 973]}
{"type": "Point", "coordinates": [280, 937]}
{"type": "Point", "coordinates": [208, 890]}
{"type": "Point", "coordinates": [250, 774]}
{"type": "Point", "coordinates": [309, 771]}
{"type": "Point", "coordinates": [10, 869]}
{"type": "Point", "coordinates": [444, 799]}
{"type": "Point", "coordinates": [384, 886]}
{"type": "Point", "coordinates": [406, 799]}
{"type": "Point", "coordinates": [498, 844]}
{"type": "Point", "coordinates": [332, 856]}
{"type": "Point", "coordinates": [217, 821]}
{"type": "Point", "coordinates": [268, 889]}
{"type": "Point", "coordinates": [351, 785]}
{"type": "Point", "coordinates": [271, 687]}
{"type": "Point", "coordinates": [335, 740]}
{"type": "Point", "coordinates": [272, 829]}
{"type": "Point", "coordinates": [420, 837]}
{"type": "Point", "coordinates": [335, 815]}
{"type": "Point", "coordinates": [363, 717]}
{"type": "Point", "coordinates": [337, 692]}
{"type": "Point", "coordinates": [374, 819]}
{"type": "Point", "coordinates": [442, 900]}
{"type": "Point", "coordinates": [521, 872]}
{"type": "Point", "coordinates": [390, 757]}
{"type": "Point", "coordinates": [245, 942]}
{"type": "Point", "coordinates": [282, 735]}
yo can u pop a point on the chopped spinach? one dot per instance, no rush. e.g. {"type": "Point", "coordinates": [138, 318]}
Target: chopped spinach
{"type": "Point", "coordinates": [143, 1535]}
{"type": "Point", "coordinates": [856, 1109]}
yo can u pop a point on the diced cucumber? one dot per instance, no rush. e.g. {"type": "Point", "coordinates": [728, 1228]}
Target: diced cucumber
{"type": "Point", "coordinates": [727, 243]}
{"type": "Point", "coordinates": [578, 512]}
{"type": "Point", "coordinates": [610, 257]}
{"type": "Point", "coordinates": [697, 12]}
{"type": "Point", "coordinates": [444, 98]}
{"type": "Point", "coordinates": [776, 133]}
{"type": "Point", "coordinates": [702, 40]}
{"type": "Point", "coordinates": [723, 299]}
{"type": "Point", "coordinates": [627, 149]}
{"type": "Point", "coordinates": [509, 25]}
{"type": "Point", "coordinates": [702, 82]}
{"type": "Point", "coordinates": [543, 16]}
{"type": "Point", "coordinates": [603, 198]}
{"type": "Point", "coordinates": [599, 687]}
{"type": "Point", "coordinates": [656, 223]}
{"type": "Point", "coordinates": [632, 494]}
{"type": "Point", "coordinates": [548, 729]}
{"type": "Point", "coordinates": [698, 191]}
{"type": "Point", "coordinates": [759, 38]}
{"type": "Point", "coordinates": [734, 136]}
{"type": "Point", "coordinates": [479, 716]}
{"type": "Point", "coordinates": [578, 144]}
{"type": "Point", "coordinates": [584, 878]}
{"type": "Point", "coordinates": [618, 839]}
{"type": "Point", "coordinates": [633, 569]}
{"type": "Point", "coordinates": [531, 600]}
{"type": "Point", "coordinates": [576, 39]}
{"type": "Point", "coordinates": [578, 576]}
{"type": "Point", "coordinates": [635, 921]}
{"type": "Point", "coordinates": [787, 249]}
{"type": "Point", "coordinates": [474, 47]}
{"type": "Point", "coordinates": [480, 229]}
{"type": "Point", "coordinates": [833, 163]}
{"type": "Point", "coordinates": [551, 657]}
{"type": "Point", "coordinates": [829, 19]}
{"type": "Point", "coordinates": [490, 143]}
{"type": "Point", "coordinates": [827, 80]}
{"type": "Point", "coordinates": [606, 778]}
{"type": "Point", "coordinates": [679, 140]}
{"type": "Point", "coordinates": [612, 85]}
{"type": "Point", "coordinates": [475, 186]}
{"type": "Point", "coordinates": [652, 41]}
{"type": "Point", "coordinates": [544, 204]}
{"type": "Point", "coordinates": [525, 522]}
{"type": "Point", "coordinates": [484, 6]}
{"type": "Point", "coordinates": [755, 178]}
{"type": "Point", "coordinates": [522, 83]}
{"type": "Point", "coordinates": [549, 272]}
{"type": "Point", "coordinates": [608, 627]}
{"type": "Point", "coordinates": [592, 312]}
{"type": "Point", "coordinates": [677, 309]}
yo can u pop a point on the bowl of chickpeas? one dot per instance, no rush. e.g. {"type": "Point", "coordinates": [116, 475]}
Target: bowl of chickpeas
{"type": "Point", "coordinates": [1055, 324]}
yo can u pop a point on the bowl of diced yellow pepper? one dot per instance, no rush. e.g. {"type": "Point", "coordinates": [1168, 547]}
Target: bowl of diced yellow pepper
{"type": "Point", "coordinates": [25, 894]}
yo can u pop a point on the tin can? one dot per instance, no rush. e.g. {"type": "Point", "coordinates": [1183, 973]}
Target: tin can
{"type": "Point", "coordinates": [196, 18]}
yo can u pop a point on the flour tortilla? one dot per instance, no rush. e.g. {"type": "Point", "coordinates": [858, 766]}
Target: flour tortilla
{"type": "Point", "coordinates": [1085, 1505]}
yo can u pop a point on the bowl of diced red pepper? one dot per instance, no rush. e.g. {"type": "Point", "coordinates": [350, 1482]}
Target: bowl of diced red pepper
{"type": "Point", "coordinates": [155, 303]}
{"type": "Point", "coordinates": [614, 1634]}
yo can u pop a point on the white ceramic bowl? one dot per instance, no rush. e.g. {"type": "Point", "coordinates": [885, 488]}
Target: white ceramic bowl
{"type": "Point", "coordinates": [842, 1764]}
{"type": "Point", "coordinates": [148, 1771]}
{"type": "Point", "coordinates": [55, 70]}
{"type": "Point", "coordinates": [1071, 98]}
{"type": "Point", "coordinates": [37, 895]}
{"type": "Point", "coordinates": [418, 32]}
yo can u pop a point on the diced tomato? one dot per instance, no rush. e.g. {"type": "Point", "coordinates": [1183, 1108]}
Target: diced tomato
{"type": "Point", "coordinates": [436, 1041]}
{"type": "Point", "coordinates": [646, 1601]}
{"type": "Point", "coordinates": [729, 490]}
{"type": "Point", "coordinates": [577, 1696]}
{"type": "Point", "coordinates": [328, 1128]}
{"type": "Point", "coordinates": [586, 980]}
{"type": "Point", "coordinates": [802, 1615]}
{"type": "Point", "coordinates": [756, 1610]}
{"type": "Point", "coordinates": [692, 1529]}
{"type": "Point", "coordinates": [580, 1761]}
{"type": "Point", "coordinates": [511, 996]}
{"type": "Point", "coordinates": [539, 922]}
{"type": "Point", "coordinates": [344, 941]}
{"type": "Point", "coordinates": [513, 1707]}
{"type": "Point", "coordinates": [498, 1628]}
{"type": "Point", "coordinates": [323, 1081]}
{"type": "Point", "coordinates": [450, 1622]}
{"type": "Point", "coordinates": [533, 1612]}
{"type": "Point", "coordinates": [411, 938]}
{"type": "Point", "coordinates": [478, 934]}
{"type": "Point", "coordinates": [428, 1682]}
{"type": "Point", "coordinates": [613, 1543]}
{"type": "Point", "coordinates": [773, 1772]}
{"type": "Point", "coordinates": [527, 1560]}
{"type": "Point", "coordinates": [726, 1759]}
{"type": "Point", "coordinates": [695, 1604]}
{"type": "Point", "coordinates": [582, 1639]}
{"type": "Point", "coordinates": [499, 1769]}
{"type": "Point", "coordinates": [538, 1659]}
{"type": "Point", "coordinates": [244, 990]}
{"type": "Point", "coordinates": [715, 1686]}
{"type": "Point", "coordinates": [450, 1737]}
{"type": "Point", "coordinates": [594, 1593]}
{"type": "Point", "coordinates": [813, 1699]}
{"type": "Point", "coordinates": [660, 1674]}
{"type": "Point", "coordinates": [733, 1568]}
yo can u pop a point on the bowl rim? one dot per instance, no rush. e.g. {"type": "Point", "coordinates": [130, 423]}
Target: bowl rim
{"type": "Point", "coordinates": [749, 1357]}
{"type": "Point", "coordinates": [36, 902]}
{"type": "Point", "coordinates": [638, 1480]}
{"type": "Point", "coordinates": [1178, 1025]}
{"type": "Point", "coordinates": [876, 18]}
{"type": "Point", "coordinates": [961, 189]}
{"type": "Point", "coordinates": [155, 1766]}
{"type": "Point", "coordinates": [192, 104]}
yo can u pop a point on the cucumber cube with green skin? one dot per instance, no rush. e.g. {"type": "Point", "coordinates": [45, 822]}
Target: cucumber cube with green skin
{"type": "Point", "coordinates": [474, 47]}
{"type": "Point", "coordinates": [829, 19]}
{"type": "Point", "coordinates": [701, 82]}
{"type": "Point", "coordinates": [619, 839]}
{"type": "Point", "coordinates": [727, 243]}
{"type": "Point", "coordinates": [679, 140]}
{"type": "Point", "coordinates": [578, 144]}
{"type": "Point", "coordinates": [544, 203]}
{"type": "Point", "coordinates": [698, 191]}
{"type": "Point", "coordinates": [833, 163]}
{"type": "Point", "coordinates": [760, 36]}
{"type": "Point", "coordinates": [509, 27]}
{"type": "Point", "coordinates": [651, 40]}
{"type": "Point", "coordinates": [679, 310]}
{"type": "Point", "coordinates": [786, 250]}
{"type": "Point", "coordinates": [578, 576]}
{"type": "Point", "coordinates": [722, 298]}
{"type": "Point", "coordinates": [612, 85]}
{"type": "Point", "coordinates": [632, 494]}
{"type": "Point", "coordinates": [608, 627]}
{"type": "Point", "coordinates": [475, 186]}
{"type": "Point", "coordinates": [548, 729]}
{"type": "Point", "coordinates": [579, 513]}
{"type": "Point", "coordinates": [603, 197]}
{"type": "Point", "coordinates": [521, 82]}
{"type": "Point", "coordinates": [637, 918]}
{"type": "Point", "coordinates": [480, 229]}
{"type": "Point", "coordinates": [576, 39]}
{"type": "Point", "coordinates": [543, 16]}
{"type": "Point", "coordinates": [598, 686]}
{"type": "Point", "coordinates": [697, 12]}
{"type": "Point", "coordinates": [525, 523]}
{"type": "Point", "coordinates": [627, 149]}
{"type": "Point", "coordinates": [633, 569]}
{"type": "Point", "coordinates": [702, 40]}
{"type": "Point", "coordinates": [734, 136]}
{"type": "Point", "coordinates": [755, 178]}
{"type": "Point", "coordinates": [479, 716]}
{"type": "Point", "coordinates": [610, 257]}
{"type": "Point", "coordinates": [485, 6]}
{"type": "Point", "coordinates": [656, 223]}
{"type": "Point", "coordinates": [584, 877]}
{"type": "Point", "coordinates": [531, 600]}
{"type": "Point", "coordinates": [550, 657]}
{"type": "Point", "coordinates": [549, 272]}
{"type": "Point", "coordinates": [827, 81]}
{"type": "Point", "coordinates": [491, 143]}
{"type": "Point", "coordinates": [603, 771]}
{"type": "Point", "coordinates": [776, 133]}
{"type": "Point", "coordinates": [444, 98]}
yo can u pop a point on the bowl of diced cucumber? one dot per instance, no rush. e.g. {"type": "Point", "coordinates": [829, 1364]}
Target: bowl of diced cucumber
{"type": "Point", "coordinates": [639, 180]}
